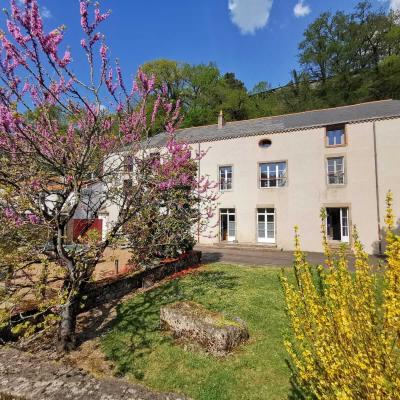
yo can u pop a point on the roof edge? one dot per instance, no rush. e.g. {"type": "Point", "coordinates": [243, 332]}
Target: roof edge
{"type": "Point", "coordinates": [304, 128]}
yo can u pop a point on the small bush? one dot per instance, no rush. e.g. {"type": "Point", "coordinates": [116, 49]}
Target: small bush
{"type": "Point", "coordinates": [346, 331]}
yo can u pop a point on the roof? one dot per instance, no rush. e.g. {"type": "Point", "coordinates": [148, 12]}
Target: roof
{"type": "Point", "coordinates": [384, 109]}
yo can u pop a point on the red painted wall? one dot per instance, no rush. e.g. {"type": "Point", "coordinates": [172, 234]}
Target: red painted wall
{"type": "Point", "coordinates": [80, 226]}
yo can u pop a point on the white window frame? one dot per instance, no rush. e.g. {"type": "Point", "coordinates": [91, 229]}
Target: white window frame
{"type": "Point", "coordinates": [224, 179]}
{"type": "Point", "coordinates": [343, 136]}
{"type": "Point", "coordinates": [337, 174]}
{"type": "Point", "coordinates": [266, 213]}
{"type": "Point", "coordinates": [344, 223]}
{"type": "Point", "coordinates": [226, 212]}
{"type": "Point", "coordinates": [279, 179]}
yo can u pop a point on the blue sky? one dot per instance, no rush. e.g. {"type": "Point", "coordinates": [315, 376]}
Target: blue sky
{"type": "Point", "coordinates": [256, 39]}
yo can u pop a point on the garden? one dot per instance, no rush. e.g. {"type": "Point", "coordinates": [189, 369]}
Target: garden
{"type": "Point", "coordinates": [256, 370]}
{"type": "Point", "coordinates": [69, 147]}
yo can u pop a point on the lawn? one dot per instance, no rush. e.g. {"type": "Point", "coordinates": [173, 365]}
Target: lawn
{"type": "Point", "coordinates": [257, 370]}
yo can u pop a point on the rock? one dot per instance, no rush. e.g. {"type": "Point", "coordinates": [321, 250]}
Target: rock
{"type": "Point", "coordinates": [26, 376]}
{"type": "Point", "coordinates": [213, 331]}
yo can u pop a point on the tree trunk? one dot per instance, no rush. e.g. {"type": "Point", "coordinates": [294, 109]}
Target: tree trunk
{"type": "Point", "coordinates": [66, 338]}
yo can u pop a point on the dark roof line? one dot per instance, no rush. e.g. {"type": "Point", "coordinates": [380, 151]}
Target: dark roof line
{"type": "Point", "coordinates": [357, 113]}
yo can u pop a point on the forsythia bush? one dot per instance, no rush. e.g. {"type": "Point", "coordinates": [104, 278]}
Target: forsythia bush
{"type": "Point", "coordinates": [346, 327]}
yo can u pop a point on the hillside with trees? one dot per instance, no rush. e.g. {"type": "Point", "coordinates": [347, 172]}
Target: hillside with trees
{"type": "Point", "coordinates": [344, 58]}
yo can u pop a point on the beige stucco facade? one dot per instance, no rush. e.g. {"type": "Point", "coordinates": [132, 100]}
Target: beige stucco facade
{"type": "Point", "coordinates": [307, 190]}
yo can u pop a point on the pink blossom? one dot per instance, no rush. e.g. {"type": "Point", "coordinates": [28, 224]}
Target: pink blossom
{"type": "Point", "coordinates": [16, 33]}
{"type": "Point", "coordinates": [33, 219]}
{"type": "Point", "coordinates": [101, 17]}
{"type": "Point", "coordinates": [15, 11]}
{"type": "Point", "coordinates": [26, 87]}
{"type": "Point", "coordinates": [65, 60]}
{"type": "Point", "coordinates": [69, 178]}
{"type": "Point", "coordinates": [119, 77]}
{"type": "Point", "coordinates": [36, 24]}
{"type": "Point", "coordinates": [109, 82]}
{"type": "Point", "coordinates": [155, 109]}
{"type": "Point", "coordinates": [103, 52]}
{"type": "Point", "coordinates": [12, 216]}
{"type": "Point", "coordinates": [35, 184]}
{"type": "Point", "coordinates": [95, 38]}
{"type": "Point", "coordinates": [83, 44]}
{"type": "Point", "coordinates": [51, 42]}
{"type": "Point", "coordinates": [84, 16]}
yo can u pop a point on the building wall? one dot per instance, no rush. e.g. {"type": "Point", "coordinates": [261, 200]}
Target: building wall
{"type": "Point", "coordinates": [388, 148]}
{"type": "Point", "coordinates": [300, 202]}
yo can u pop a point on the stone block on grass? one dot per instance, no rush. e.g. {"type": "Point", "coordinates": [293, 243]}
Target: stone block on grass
{"type": "Point", "coordinates": [213, 331]}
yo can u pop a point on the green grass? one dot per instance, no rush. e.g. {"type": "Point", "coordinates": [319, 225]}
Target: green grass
{"type": "Point", "coordinates": [257, 370]}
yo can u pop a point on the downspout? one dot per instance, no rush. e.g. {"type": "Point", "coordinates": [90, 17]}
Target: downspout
{"type": "Point", "coordinates": [198, 188]}
{"type": "Point", "coordinates": [378, 211]}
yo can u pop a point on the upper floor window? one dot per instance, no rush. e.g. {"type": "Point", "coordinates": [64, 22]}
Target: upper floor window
{"type": "Point", "coordinates": [265, 143]}
{"type": "Point", "coordinates": [335, 171]}
{"type": "Point", "coordinates": [225, 177]}
{"type": "Point", "coordinates": [335, 136]}
{"type": "Point", "coordinates": [273, 174]}
{"type": "Point", "coordinates": [128, 164]}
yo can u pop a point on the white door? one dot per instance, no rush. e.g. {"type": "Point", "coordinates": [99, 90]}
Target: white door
{"type": "Point", "coordinates": [266, 225]}
{"type": "Point", "coordinates": [228, 224]}
{"type": "Point", "coordinates": [344, 225]}
{"type": "Point", "coordinates": [337, 224]}
{"type": "Point", "coordinates": [104, 232]}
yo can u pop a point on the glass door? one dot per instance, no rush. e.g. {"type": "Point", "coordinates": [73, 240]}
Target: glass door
{"type": "Point", "coordinates": [227, 224]}
{"type": "Point", "coordinates": [266, 225]}
{"type": "Point", "coordinates": [337, 224]}
{"type": "Point", "coordinates": [344, 224]}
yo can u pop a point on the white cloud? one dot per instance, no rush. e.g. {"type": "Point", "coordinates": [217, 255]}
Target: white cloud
{"type": "Point", "coordinates": [45, 13]}
{"type": "Point", "coordinates": [250, 15]}
{"type": "Point", "coordinates": [301, 9]}
{"type": "Point", "coordinates": [395, 5]}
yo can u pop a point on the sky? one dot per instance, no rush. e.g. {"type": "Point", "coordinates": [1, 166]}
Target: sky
{"type": "Point", "coordinates": [255, 39]}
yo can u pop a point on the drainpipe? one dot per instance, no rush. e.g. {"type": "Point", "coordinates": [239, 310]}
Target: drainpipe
{"type": "Point", "coordinates": [198, 187]}
{"type": "Point", "coordinates": [378, 211]}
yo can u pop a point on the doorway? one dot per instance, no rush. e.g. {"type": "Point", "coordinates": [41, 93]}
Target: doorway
{"type": "Point", "coordinates": [227, 224]}
{"type": "Point", "coordinates": [266, 225]}
{"type": "Point", "coordinates": [337, 224]}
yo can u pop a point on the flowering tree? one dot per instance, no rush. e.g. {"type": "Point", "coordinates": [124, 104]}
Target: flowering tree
{"type": "Point", "coordinates": [63, 142]}
{"type": "Point", "coordinates": [345, 342]}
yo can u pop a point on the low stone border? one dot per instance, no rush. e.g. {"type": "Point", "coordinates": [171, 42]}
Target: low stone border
{"type": "Point", "coordinates": [108, 289]}
{"type": "Point", "coordinates": [26, 377]}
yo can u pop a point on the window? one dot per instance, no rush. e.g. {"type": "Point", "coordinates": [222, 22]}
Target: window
{"type": "Point", "coordinates": [335, 170]}
{"type": "Point", "coordinates": [273, 174]}
{"type": "Point", "coordinates": [335, 136]}
{"type": "Point", "coordinates": [264, 143]}
{"type": "Point", "coordinates": [225, 177]}
{"type": "Point", "coordinates": [128, 164]}
{"type": "Point", "coordinates": [266, 225]}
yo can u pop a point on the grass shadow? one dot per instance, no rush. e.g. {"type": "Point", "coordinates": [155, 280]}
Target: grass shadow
{"type": "Point", "coordinates": [135, 331]}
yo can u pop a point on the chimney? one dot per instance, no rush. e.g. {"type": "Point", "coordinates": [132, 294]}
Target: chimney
{"type": "Point", "coordinates": [221, 120]}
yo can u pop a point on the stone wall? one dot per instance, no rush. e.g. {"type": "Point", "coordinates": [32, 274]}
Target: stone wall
{"type": "Point", "coordinates": [110, 289]}
{"type": "Point", "coordinates": [113, 289]}
{"type": "Point", "coordinates": [25, 376]}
